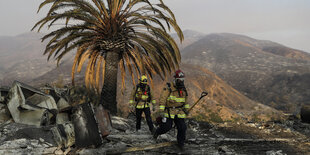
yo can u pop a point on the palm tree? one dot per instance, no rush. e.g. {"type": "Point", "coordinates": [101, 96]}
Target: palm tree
{"type": "Point", "coordinates": [128, 34]}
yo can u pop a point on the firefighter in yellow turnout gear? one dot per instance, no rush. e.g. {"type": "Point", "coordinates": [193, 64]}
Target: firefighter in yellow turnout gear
{"type": "Point", "coordinates": [174, 107]}
{"type": "Point", "coordinates": [141, 97]}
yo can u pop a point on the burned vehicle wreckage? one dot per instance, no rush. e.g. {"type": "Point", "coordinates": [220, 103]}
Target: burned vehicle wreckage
{"type": "Point", "coordinates": [48, 115]}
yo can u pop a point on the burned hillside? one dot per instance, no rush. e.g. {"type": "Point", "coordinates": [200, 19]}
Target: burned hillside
{"type": "Point", "coordinates": [264, 71]}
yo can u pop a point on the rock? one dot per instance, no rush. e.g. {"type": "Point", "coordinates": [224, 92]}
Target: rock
{"type": "Point", "coordinates": [128, 131]}
{"type": "Point", "coordinates": [34, 143]}
{"type": "Point", "coordinates": [29, 147]}
{"type": "Point", "coordinates": [167, 137]}
{"type": "Point", "coordinates": [59, 151]}
{"type": "Point", "coordinates": [225, 149]}
{"type": "Point", "coordinates": [41, 140]}
{"type": "Point", "coordinates": [272, 152]}
{"type": "Point", "coordinates": [261, 127]}
{"type": "Point", "coordinates": [120, 145]}
{"type": "Point", "coordinates": [120, 123]}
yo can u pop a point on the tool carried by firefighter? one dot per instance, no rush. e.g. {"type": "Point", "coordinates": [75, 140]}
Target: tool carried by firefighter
{"type": "Point", "coordinates": [131, 113]}
{"type": "Point", "coordinates": [203, 94]}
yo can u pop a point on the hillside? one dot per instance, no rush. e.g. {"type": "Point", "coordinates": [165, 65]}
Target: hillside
{"type": "Point", "coordinates": [254, 68]}
{"type": "Point", "coordinates": [267, 46]}
{"type": "Point", "coordinates": [21, 58]}
{"type": "Point", "coordinates": [222, 104]}
{"type": "Point", "coordinates": [36, 71]}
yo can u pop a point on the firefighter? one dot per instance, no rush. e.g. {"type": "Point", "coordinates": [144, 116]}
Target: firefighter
{"type": "Point", "coordinates": [141, 96]}
{"type": "Point", "coordinates": [174, 108]}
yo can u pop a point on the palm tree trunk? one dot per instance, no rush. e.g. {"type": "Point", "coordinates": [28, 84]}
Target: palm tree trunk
{"type": "Point", "coordinates": [108, 92]}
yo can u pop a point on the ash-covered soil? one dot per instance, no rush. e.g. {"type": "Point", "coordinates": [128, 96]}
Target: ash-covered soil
{"type": "Point", "coordinates": [272, 138]}
{"type": "Point", "coordinates": [287, 137]}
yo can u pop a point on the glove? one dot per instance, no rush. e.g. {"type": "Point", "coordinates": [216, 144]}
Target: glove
{"type": "Point", "coordinates": [164, 120]}
{"type": "Point", "coordinates": [153, 108]}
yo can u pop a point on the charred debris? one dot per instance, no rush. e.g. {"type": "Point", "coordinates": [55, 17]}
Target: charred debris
{"type": "Point", "coordinates": [53, 120]}
{"type": "Point", "coordinates": [53, 115]}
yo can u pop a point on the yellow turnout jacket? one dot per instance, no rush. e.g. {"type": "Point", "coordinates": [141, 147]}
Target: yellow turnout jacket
{"type": "Point", "coordinates": [173, 102]}
{"type": "Point", "coordinates": [141, 98]}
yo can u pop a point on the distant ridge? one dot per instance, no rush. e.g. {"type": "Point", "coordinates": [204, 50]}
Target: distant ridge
{"type": "Point", "coordinates": [190, 37]}
{"type": "Point", "coordinates": [21, 58]}
{"type": "Point", "coordinates": [265, 71]}
{"type": "Point", "coordinates": [268, 46]}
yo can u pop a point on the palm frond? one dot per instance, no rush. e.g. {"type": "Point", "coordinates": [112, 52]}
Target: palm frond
{"type": "Point", "coordinates": [136, 29]}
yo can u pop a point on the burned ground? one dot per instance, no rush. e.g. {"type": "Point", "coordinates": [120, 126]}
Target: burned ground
{"type": "Point", "coordinates": [288, 137]}
{"type": "Point", "coordinates": [73, 135]}
{"type": "Point", "coordinates": [204, 138]}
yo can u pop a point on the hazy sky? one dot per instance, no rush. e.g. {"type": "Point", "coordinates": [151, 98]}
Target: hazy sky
{"type": "Point", "coordinates": [283, 21]}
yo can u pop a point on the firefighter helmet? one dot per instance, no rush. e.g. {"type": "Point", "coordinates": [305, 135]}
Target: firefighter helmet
{"type": "Point", "coordinates": [143, 79]}
{"type": "Point", "coordinates": [179, 74]}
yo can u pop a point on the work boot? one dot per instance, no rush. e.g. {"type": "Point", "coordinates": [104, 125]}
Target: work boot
{"type": "Point", "coordinates": [155, 135]}
{"type": "Point", "coordinates": [180, 147]}
{"type": "Point", "coordinates": [153, 131]}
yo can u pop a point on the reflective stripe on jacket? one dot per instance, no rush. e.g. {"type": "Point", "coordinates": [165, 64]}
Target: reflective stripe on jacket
{"type": "Point", "coordinates": [139, 98]}
{"type": "Point", "coordinates": [173, 103]}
